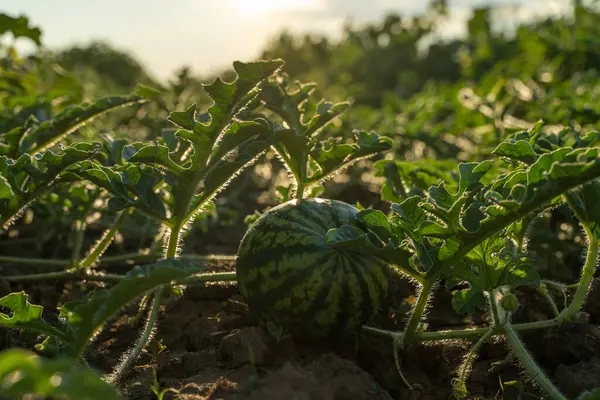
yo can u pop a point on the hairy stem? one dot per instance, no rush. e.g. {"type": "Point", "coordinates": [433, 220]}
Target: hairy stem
{"type": "Point", "coordinates": [458, 334]}
{"type": "Point", "coordinates": [466, 365]}
{"type": "Point", "coordinates": [530, 365]}
{"type": "Point", "coordinates": [587, 277]}
{"type": "Point", "coordinates": [417, 313]}
{"type": "Point", "coordinates": [45, 262]}
{"type": "Point", "coordinates": [78, 275]}
{"type": "Point", "coordinates": [141, 256]}
{"type": "Point", "coordinates": [544, 292]}
{"type": "Point", "coordinates": [170, 252]}
{"type": "Point", "coordinates": [123, 367]}
{"type": "Point", "coordinates": [101, 246]}
{"type": "Point", "coordinates": [72, 274]}
{"type": "Point", "coordinates": [397, 363]}
{"type": "Point", "coordinates": [172, 249]}
{"type": "Point", "coordinates": [210, 277]}
{"type": "Point", "coordinates": [494, 307]}
{"type": "Point", "coordinates": [559, 286]}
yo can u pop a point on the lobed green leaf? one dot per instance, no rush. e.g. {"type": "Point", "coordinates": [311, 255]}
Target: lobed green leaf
{"type": "Point", "coordinates": [45, 135]}
{"type": "Point", "coordinates": [25, 315]}
{"type": "Point", "coordinates": [23, 373]}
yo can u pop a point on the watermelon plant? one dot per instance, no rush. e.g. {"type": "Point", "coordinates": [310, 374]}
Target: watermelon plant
{"type": "Point", "coordinates": [171, 181]}
{"type": "Point", "coordinates": [313, 266]}
{"type": "Point", "coordinates": [472, 235]}
{"type": "Point", "coordinates": [310, 153]}
{"type": "Point", "coordinates": [211, 153]}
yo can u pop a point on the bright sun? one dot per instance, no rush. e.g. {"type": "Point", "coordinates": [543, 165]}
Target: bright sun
{"type": "Point", "coordinates": [260, 8]}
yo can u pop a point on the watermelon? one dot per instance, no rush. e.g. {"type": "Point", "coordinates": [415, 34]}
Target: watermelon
{"type": "Point", "coordinates": [288, 274]}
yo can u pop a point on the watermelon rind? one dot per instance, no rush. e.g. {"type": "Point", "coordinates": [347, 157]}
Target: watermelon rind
{"type": "Point", "coordinates": [289, 275]}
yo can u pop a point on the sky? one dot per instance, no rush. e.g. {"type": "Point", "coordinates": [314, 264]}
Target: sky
{"type": "Point", "coordinates": [208, 35]}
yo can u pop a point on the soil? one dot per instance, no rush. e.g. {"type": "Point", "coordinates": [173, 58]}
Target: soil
{"type": "Point", "coordinates": [214, 350]}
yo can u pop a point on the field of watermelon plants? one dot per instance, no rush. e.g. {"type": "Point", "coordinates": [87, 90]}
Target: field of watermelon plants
{"type": "Point", "coordinates": [246, 238]}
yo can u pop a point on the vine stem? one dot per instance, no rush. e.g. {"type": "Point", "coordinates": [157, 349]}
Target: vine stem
{"type": "Point", "coordinates": [587, 272]}
{"type": "Point", "coordinates": [457, 334]}
{"type": "Point", "coordinates": [417, 313]}
{"type": "Point", "coordinates": [131, 357]}
{"type": "Point", "coordinates": [544, 292]}
{"type": "Point", "coordinates": [530, 365]}
{"type": "Point", "coordinates": [72, 274]}
{"type": "Point", "coordinates": [147, 333]}
{"type": "Point", "coordinates": [35, 261]}
{"type": "Point", "coordinates": [115, 278]}
{"type": "Point", "coordinates": [464, 369]}
{"type": "Point", "coordinates": [100, 247]}
{"type": "Point", "coordinates": [121, 258]}
{"type": "Point", "coordinates": [398, 368]}
{"type": "Point", "coordinates": [494, 308]}
{"type": "Point", "coordinates": [300, 189]}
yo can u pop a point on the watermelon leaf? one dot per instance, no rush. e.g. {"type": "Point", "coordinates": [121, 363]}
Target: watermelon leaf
{"type": "Point", "coordinates": [348, 238]}
{"type": "Point", "coordinates": [375, 221]}
{"type": "Point", "coordinates": [26, 315]}
{"type": "Point", "coordinates": [468, 301]}
{"type": "Point", "coordinates": [45, 135]}
{"type": "Point", "coordinates": [218, 143]}
{"type": "Point", "coordinates": [23, 373]}
{"type": "Point", "coordinates": [29, 177]}
{"type": "Point", "coordinates": [130, 185]}
{"type": "Point", "coordinates": [310, 159]}
{"type": "Point", "coordinates": [593, 394]}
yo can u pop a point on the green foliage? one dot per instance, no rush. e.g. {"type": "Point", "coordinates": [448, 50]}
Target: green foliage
{"type": "Point", "coordinates": [81, 319]}
{"type": "Point", "coordinates": [37, 138]}
{"type": "Point", "coordinates": [488, 162]}
{"type": "Point", "coordinates": [23, 372]}
{"type": "Point", "coordinates": [218, 143]}
{"type": "Point", "coordinates": [19, 27]}
{"type": "Point", "coordinates": [487, 267]}
{"type": "Point", "coordinates": [28, 177]}
{"type": "Point", "coordinates": [307, 154]}
{"type": "Point", "coordinates": [25, 315]}
{"type": "Point", "coordinates": [446, 225]}
{"type": "Point", "coordinates": [590, 395]}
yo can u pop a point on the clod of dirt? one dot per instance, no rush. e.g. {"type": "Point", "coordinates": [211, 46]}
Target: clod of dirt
{"type": "Point", "coordinates": [244, 346]}
{"type": "Point", "coordinates": [566, 346]}
{"type": "Point", "coordinates": [328, 378]}
{"type": "Point", "coordinates": [574, 379]}
{"type": "Point", "coordinates": [200, 332]}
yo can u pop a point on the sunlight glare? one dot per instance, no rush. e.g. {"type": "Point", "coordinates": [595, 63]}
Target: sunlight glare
{"type": "Point", "coordinates": [261, 8]}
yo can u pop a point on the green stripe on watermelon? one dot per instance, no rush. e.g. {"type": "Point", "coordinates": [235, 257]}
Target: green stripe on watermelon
{"type": "Point", "coordinates": [289, 275]}
{"type": "Point", "coordinates": [257, 279]}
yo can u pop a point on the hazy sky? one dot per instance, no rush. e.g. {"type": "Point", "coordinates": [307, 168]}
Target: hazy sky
{"type": "Point", "coordinates": [210, 34]}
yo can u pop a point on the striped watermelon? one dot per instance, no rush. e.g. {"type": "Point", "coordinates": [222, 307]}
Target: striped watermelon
{"type": "Point", "coordinates": [288, 274]}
